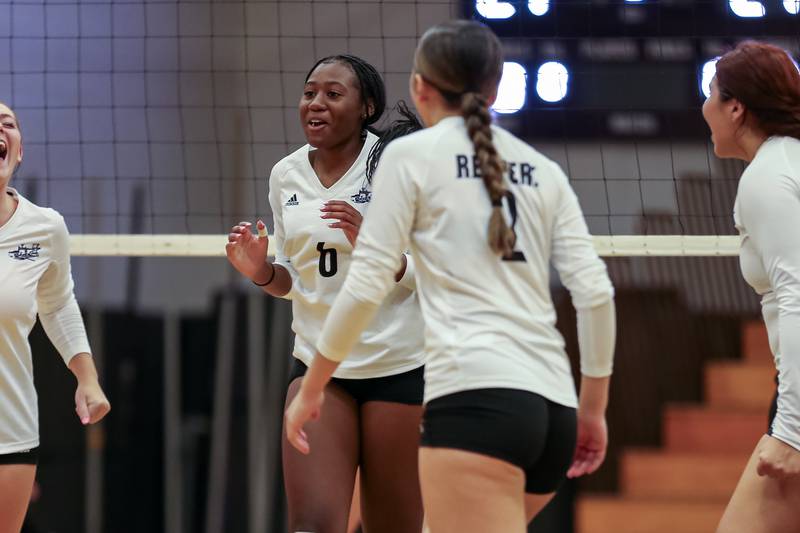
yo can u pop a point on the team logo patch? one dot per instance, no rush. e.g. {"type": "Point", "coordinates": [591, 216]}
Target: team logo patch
{"type": "Point", "coordinates": [363, 196]}
{"type": "Point", "coordinates": [293, 200]}
{"type": "Point", "coordinates": [26, 252]}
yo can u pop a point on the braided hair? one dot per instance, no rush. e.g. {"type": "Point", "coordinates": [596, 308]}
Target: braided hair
{"type": "Point", "coordinates": [463, 60]}
{"type": "Point", "coordinates": [409, 123]}
{"type": "Point", "coordinates": [373, 90]}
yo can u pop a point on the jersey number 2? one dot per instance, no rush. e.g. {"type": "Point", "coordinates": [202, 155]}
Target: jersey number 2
{"type": "Point", "coordinates": [327, 261]}
{"type": "Point", "coordinates": [516, 255]}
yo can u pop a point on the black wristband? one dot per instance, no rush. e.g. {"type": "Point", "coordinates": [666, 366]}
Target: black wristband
{"type": "Point", "coordinates": [268, 281]}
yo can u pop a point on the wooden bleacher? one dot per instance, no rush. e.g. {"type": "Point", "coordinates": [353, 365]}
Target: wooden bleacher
{"type": "Point", "coordinates": [684, 485]}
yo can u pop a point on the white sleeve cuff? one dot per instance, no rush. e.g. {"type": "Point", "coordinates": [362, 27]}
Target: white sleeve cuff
{"type": "Point", "coordinates": [293, 275]}
{"type": "Point", "coordinates": [346, 321]}
{"type": "Point", "coordinates": [409, 280]}
{"type": "Point", "coordinates": [64, 328]}
{"type": "Point", "coordinates": [597, 331]}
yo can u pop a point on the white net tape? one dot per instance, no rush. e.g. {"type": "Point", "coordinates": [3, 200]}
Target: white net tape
{"type": "Point", "coordinates": [214, 245]}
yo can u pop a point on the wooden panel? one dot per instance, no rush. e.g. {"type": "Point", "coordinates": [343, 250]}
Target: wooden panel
{"type": "Point", "coordinates": [755, 343]}
{"type": "Point", "coordinates": [614, 515]}
{"type": "Point", "coordinates": [680, 475]}
{"type": "Point", "coordinates": [712, 430]}
{"type": "Point", "coordinates": [745, 386]}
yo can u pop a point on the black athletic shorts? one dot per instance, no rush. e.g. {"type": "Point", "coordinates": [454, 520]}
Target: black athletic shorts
{"type": "Point", "coordinates": [406, 388]}
{"type": "Point", "coordinates": [28, 457]}
{"type": "Point", "coordinates": [519, 427]}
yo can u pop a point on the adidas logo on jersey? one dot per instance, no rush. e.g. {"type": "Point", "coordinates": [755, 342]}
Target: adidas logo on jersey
{"type": "Point", "coordinates": [363, 196]}
{"type": "Point", "coordinates": [293, 200]}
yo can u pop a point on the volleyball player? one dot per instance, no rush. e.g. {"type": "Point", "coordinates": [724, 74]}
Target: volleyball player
{"type": "Point", "coordinates": [35, 278]}
{"type": "Point", "coordinates": [500, 424]}
{"type": "Point", "coordinates": [754, 115]}
{"type": "Point", "coordinates": [318, 195]}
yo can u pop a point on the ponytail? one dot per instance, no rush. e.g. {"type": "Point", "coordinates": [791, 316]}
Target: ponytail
{"type": "Point", "coordinates": [475, 111]}
{"type": "Point", "coordinates": [766, 81]}
{"type": "Point", "coordinates": [409, 123]}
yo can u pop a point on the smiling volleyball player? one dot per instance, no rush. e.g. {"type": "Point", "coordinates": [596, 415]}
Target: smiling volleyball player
{"type": "Point", "coordinates": [35, 279]}
{"type": "Point", "coordinates": [318, 195]}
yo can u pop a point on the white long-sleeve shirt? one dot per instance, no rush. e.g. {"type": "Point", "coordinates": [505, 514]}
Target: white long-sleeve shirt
{"type": "Point", "coordinates": [35, 277]}
{"type": "Point", "coordinates": [767, 215]}
{"type": "Point", "coordinates": [488, 322]}
{"type": "Point", "coordinates": [318, 258]}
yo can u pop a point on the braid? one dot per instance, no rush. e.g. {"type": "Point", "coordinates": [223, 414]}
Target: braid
{"type": "Point", "coordinates": [409, 123]}
{"type": "Point", "coordinates": [475, 111]}
{"type": "Point", "coordinates": [463, 61]}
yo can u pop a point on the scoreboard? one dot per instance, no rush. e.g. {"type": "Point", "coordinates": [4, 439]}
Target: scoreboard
{"type": "Point", "coordinates": [617, 68]}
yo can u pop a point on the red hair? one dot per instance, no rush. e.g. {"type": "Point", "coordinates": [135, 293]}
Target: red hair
{"type": "Point", "coordinates": [766, 81]}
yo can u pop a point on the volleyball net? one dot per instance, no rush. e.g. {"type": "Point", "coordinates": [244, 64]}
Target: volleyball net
{"type": "Point", "coordinates": [152, 127]}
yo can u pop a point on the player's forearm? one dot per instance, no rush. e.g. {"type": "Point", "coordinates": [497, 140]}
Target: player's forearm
{"type": "Point", "coordinates": [64, 327]}
{"type": "Point", "coordinates": [278, 282]}
{"type": "Point", "coordinates": [82, 367]}
{"type": "Point", "coordinates": [594, 396]}
{"type": "Point", "coordinates": [318, 375]}
{"type": "Point", "coordinates": [597, 333]}
{"type": "Point", "coordinates": [347, 319]}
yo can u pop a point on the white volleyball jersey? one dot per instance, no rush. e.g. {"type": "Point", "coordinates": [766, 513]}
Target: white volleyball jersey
{"type": "Point", "coordinates": [767, 215]}
{"type": "Point", "coordinates": [35, 277]}
{"type": "Point", "coordinates": [318, 259]}
{"type": "Point", "coordinates": [489, 322]}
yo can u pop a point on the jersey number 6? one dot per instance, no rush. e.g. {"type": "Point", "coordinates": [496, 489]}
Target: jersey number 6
{"type": "Point", "coordinates": [327, 261]}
